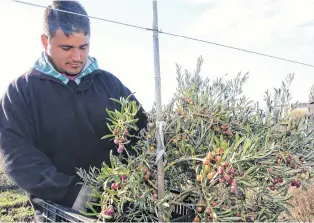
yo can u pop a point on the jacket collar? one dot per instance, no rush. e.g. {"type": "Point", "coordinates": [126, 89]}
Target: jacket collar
{"type": "Point", "coordinates": [45, 67]}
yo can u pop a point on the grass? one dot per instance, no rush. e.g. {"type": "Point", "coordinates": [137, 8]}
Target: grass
{"type": "Point", "coordinates": [14, 205]}
{"type": "Point", "coordinates": [12, 198]}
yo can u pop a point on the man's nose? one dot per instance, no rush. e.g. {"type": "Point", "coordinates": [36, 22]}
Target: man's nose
{"type": "Point", "coordinates": [76, 55]}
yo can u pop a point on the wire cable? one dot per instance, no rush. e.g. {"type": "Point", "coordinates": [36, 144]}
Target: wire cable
{"type": "Point", "coordinates": [92, 17]}
{"type": "Point", "coordinates": [169, 34]}
{"type": "Point", "coordinates": [235, 48]}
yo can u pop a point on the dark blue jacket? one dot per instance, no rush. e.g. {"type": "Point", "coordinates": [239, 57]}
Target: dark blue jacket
{"type": "Point", "coordinates": [48, 129]}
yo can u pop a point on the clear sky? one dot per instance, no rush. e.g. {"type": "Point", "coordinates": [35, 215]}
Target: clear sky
{"type": "Point", "coordinates": [283, 28]}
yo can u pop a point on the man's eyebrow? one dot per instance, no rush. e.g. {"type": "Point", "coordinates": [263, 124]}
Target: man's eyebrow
{"type": "Point", "coordinates": [69, 46]}
{"type": "Point", "coordinates": [65, 45]}
{"type": "Point", "coordinates": [86, 44]}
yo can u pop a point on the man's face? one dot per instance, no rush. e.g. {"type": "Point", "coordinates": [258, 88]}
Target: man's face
{"type": "Point", "coordinates": [69, 54]}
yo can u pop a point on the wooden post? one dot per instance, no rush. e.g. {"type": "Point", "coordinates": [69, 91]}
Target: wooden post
{"type": "Point", "coordinates": [160, 149]}
{"type": "Point", "coordinates": [258, 111]}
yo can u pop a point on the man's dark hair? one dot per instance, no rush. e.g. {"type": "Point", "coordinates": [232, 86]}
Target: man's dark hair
{"type": "Point", "coordinates": [67, 22]}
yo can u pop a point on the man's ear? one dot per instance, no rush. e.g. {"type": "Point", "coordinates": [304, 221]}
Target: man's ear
{"type": "Point", "coordinates": [44, 41]}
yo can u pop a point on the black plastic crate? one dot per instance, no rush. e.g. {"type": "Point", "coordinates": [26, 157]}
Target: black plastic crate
{"type": "Point", "coordinates": [55, 213]}
{"type": "Point", "coordinates": [185, 218]}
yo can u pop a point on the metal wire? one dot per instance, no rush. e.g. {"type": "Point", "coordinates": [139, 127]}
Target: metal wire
{"type": "Point", "coordinates": [171, 34]}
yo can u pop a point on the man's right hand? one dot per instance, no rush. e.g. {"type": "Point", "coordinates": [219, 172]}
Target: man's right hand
{"type": "Point", "coordinates": [80, 204]}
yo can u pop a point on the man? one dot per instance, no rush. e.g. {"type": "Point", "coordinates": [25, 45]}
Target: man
{"type": "Point", "coordinates": [53, 117]}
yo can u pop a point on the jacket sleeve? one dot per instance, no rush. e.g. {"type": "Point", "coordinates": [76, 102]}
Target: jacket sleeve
{"type": "Point", "coordinates": [25, 164]}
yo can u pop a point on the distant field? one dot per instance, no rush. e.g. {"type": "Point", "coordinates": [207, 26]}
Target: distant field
{"type": "Point", "coordinates": [14, 206]}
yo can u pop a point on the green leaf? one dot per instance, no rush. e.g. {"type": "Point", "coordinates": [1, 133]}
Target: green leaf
{"type": "Point", "coordinates": [88, 214]}
{"type": "Point", "coordinates": [94, 204]}
{"type": "Point", "coordinates": [245, 183]}
{"type": "Point", "coordinates": [232, 219]}
{"type": "Point", "coordinates": [112, 160]}
{"type": "Point", "coordinates": [118, 114]}
{"type": "Point", "coordinates": [109, 127]}
{"type": "Point", "coordinates": [248, 130]}
{"type": "Point", "coordinates": [247, 144]}
{"type": "Point", "coordinates": [116, 178]}
{"type": "Point", "coordinates": [178, 126]}
{"type": "Point", "coordinates": [292, 171]}
{"type": "Point", "coordinates": [111, 114]}
{"type": "Point", "coordinates": [192, 150]}
{"type": "Point", "coordinates": [107, 136]}
{"type": "Point", "coordinates": [237, 137]}
{"type": "Point", "coordinates": [183, 147]}
{"type": "Point", "coordinates": [130, 121]}
{"type": "Point", "coordinates": [216, 140]}
{"type": "Point", "coordinates": [130, 95]}
{"type": "Point", "coordinates": [238, 142]}
{"type": "Point", "coordinates": [116, 100]}
{"type": "Point", "coordinates": [221, 140]}
{"type": "Point", "coordinates": [281, 199]}
{"type": "Point", "coordinates": [251, 170]}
